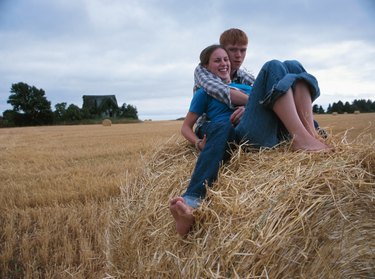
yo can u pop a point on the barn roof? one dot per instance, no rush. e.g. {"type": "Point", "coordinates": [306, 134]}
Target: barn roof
{"type": "Point", "coordinates": [98, 100]}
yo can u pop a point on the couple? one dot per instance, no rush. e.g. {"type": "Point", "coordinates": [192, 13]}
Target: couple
{"type": "Point", "coordinates": [275, 106]}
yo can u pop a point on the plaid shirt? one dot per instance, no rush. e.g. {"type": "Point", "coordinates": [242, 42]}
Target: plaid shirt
{"type": "Point", "coordinates": [215, 87]}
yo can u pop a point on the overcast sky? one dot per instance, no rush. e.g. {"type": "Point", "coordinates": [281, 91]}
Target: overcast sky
{"type": "Point", "coordinates": [145, 51]}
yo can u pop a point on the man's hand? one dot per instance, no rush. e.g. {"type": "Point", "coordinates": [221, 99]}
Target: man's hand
{"type": "Point", "coordinates": [236, 116]}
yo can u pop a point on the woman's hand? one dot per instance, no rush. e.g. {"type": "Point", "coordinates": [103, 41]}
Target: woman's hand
{"type": "Point", "coordinates": [236, 116]}
{"type": "Point", "coordinates": [201, 143]}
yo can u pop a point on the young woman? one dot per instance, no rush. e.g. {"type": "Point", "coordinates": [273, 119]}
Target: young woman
{"type": "Point", "coordinates": [280, 103]}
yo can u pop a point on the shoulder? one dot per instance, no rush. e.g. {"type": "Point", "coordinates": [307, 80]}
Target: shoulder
{"type": "Point", "coordinates": [199, 102]}
{"type": "Point", "coordinates": [200, 96]}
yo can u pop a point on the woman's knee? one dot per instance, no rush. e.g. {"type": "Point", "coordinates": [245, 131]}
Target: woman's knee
{"type": "Point", "coordinates": [294, 66]}
{"type": "Point", "coordinates": [272, 64]}
{"type": "Point", "coordinates": [222, 128]}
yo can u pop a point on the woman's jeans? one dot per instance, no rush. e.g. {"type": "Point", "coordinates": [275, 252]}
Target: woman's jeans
{"type": "Point", "coordinates": [259, 125]}
{"type": "Point", "coordinates": [217, 150]}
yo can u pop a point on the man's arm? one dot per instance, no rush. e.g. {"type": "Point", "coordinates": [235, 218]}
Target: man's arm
{"type": "Point", "coordinates": [238, 97]}
{"type": "Point", "coordinates": [212, 84]}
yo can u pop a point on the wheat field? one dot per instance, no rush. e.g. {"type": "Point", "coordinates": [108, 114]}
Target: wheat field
{"type": "Point", "coordinates": [59, 185]}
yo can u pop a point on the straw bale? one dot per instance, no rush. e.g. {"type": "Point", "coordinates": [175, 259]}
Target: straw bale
{"type": "Point", "coordinates": [107, 122]}
{"type": "Point", "coordinates": [271, 214]}
{"type": "Point", "coordinates": [334, 113]}
{"type": "Point", "coordinates": [357, 112]}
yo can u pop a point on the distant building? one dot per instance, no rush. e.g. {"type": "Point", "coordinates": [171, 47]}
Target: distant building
{"type": "Point", "coordinates": [101, 105]}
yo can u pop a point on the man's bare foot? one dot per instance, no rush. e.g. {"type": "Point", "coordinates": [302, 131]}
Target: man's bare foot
{"type": "Point", "coordinates": [182, 214]}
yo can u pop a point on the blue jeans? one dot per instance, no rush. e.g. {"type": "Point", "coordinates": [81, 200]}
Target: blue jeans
{"type": "Point", "coordinates": [259, 125]}
{"type": "Point", "coordinates": [217, 150]}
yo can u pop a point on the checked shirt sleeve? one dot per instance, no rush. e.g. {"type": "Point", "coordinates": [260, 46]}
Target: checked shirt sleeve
{"type": "Point", "coordinates": [212, 85]}
{"type": "Point", "coordinates": [245, 77]}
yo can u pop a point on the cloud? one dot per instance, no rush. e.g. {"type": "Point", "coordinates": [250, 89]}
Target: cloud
{"type": "Point", "coordinates": [342, 68]}
{"type": "Point", "coordinates": [163, 108]}
{"type": "Point", "coordinates": [147, 50]}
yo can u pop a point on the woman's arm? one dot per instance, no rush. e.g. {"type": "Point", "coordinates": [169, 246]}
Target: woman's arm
{"type": "Point", "coordinates": [188, 133]}
{"type": "Point", "coordinates": [187, 127]}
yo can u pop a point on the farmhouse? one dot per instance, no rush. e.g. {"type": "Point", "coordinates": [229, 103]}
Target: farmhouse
{"type": "Point", "coordinates": [101, 105]}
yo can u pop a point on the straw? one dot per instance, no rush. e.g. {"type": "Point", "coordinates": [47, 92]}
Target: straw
{"type": "Point", "coordinates": [272, 213]}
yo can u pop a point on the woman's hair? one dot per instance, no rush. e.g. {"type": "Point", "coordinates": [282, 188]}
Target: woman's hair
{"type": "Point", "coordinates": [233, 36]}
{"type": "Point", "coordinates": [205, 55]}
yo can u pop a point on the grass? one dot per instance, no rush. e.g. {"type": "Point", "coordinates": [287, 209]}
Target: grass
{"type": "Point", "coordinates": [59, 188]}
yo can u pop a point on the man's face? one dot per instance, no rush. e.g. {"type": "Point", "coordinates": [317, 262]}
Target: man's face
{"type": "Point", "coordinates": [237, 54]}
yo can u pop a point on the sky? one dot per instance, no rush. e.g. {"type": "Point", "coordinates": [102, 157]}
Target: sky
{"type": "Point", "coordinates": [145, 51]}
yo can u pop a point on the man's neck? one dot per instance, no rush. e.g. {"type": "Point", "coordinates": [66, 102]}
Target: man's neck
{"type": "Point", "coordinates": [233, 74]}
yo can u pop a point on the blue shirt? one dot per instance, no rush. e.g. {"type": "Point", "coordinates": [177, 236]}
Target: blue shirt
{"type": "Point", "coordinates": [216, 111]}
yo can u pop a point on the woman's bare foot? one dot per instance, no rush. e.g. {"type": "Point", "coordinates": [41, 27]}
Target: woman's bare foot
{"type": "Point", "coordinates": [310, 144]}
{"type": "Point", "coordinates": [182, 214]}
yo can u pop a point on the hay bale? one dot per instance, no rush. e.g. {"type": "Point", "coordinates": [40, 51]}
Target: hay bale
{"type": "Point", "coordinates": [334, 113]}
{"type": "Point", "coordinates": [357, 112]}
{"type": "Point", "coordinates": [271, 214]}
{"type": "Point", "coordinates": [107, 122]}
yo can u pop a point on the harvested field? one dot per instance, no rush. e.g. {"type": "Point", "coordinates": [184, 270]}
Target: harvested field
{"type": "Point", "coordinates": [81, 202]}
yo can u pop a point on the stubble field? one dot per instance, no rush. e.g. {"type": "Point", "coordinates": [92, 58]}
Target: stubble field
{"type": "Point", "coordinates": [59, 185]}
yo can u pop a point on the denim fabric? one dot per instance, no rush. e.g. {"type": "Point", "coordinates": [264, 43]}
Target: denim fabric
{"type": "Point", "coordinates": [216, 151]}
{"type": "Point", "coordinates": [259, 125]}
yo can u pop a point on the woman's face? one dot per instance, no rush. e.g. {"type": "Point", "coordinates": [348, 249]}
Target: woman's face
{"type": "Point", "coordinates": [219, 64]}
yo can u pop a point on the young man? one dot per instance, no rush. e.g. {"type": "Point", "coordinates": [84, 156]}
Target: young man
{"type": "Point", "coordinates": [235, 42]}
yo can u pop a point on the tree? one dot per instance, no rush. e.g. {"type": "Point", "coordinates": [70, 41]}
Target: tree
{"type": "Point", "coordinates": [73, 113]}
{"type": "Point", "coordinates": [321, 110]}
{"type": "Point", "coordinates": [60, 111]}
{"type": "Point", "coordinates": [9, 117]}
{"type": "Point", "coordinates": [338, 107]}
{"type": "Point", "coordinates": [329, 109]}
{"type": "Point", "coordinates": [30, 104]}
{"type": "Point", "coordinates": [129, 111]}
{"type": "Point", "coordinates": [348, 108]}
{"type": "Point", "coordinates": [315, 109]}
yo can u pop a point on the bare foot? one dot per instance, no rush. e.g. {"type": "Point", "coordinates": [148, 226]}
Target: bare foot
{"type": "Point", "coordinates": [314, 133]}
{"type": "Point", "coordinates": [182, 214]}
{"type": "Point", "coordinates": [310, 144]}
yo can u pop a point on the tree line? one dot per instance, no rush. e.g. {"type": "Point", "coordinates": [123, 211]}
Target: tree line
{"type": "Point", "coordinates": [31, 107]}
{"type": "Point", "coordinates": [360, 105]}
